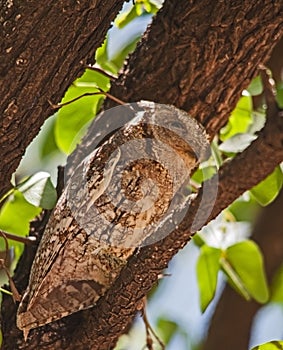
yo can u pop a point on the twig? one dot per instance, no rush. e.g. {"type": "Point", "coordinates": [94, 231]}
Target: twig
{"type": "Point", "coordinates": [26, 240]}
{"type": "Point", "coordinates": [96, 69]}
{"type": "Point", "coordinates": [149, 330]}
{"type": "Point", "coordinates": [16, 295]}
{"type": "Point", "coordinates": [100, 92]}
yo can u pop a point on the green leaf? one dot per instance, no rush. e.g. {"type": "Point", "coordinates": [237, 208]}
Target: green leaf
{"type": "Point", "coordinates": [216, 154]}
{"type": "Point", "coordinates": [73, 118]}
{"type": "Point", "coordinates": [255, 88]}
{"type": "Point", "coordinates": [273, 345]}
{"type": "Point", "coordinates": [147, 6]}
{"type": "Point", "coordinates": [240, 119]}
{"type": "Point", "coordinates": [204, 173]}
{"type": "Point", "coordinates": [208, 265]}
{"type": "Point", "coordinates": [48, 144]}
{"type": "Point", "coordinates": [244, 210]}
{"type": "Point", "coordinates": [101, 56]}
{"type": "Point", "coordinates": [39, 190]}
{"type": "Point", "coordinates": [139, 8]}
{"type": "Point", "coordinates": [277, 287]}
{"type": "Point", "coordinates": [166, 329]}
{"type": "Point", "coordinates": [279, 96]}
{"type": "Point", "coordinates": [198, 240]}
{"type": "Point", "coordinates": [16, 214]}
{"type": "Point", "coordinates": [267, 190]}
{"type": "Point", "coordinates": [259, 120]}
{"type": "Point", "coordinates": [102, 59]}
{"type": "Point", "coordinates": [126, 17]}
{"type": "Point", "coordinates": [135, 11]}
{"type": "Point", "coordinates": [237, 143]}
{"type": "Point", "coordinates": [233, 279]}
{"type": "Point", "coordinates": [118, 60]}
{"type": "Point", "coordinates": [247, 270]}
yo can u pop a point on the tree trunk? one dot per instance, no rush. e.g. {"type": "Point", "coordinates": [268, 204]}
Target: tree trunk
{"type": "Point", "coordinates": [198, 55]}
{"type": "Point", "coordinates": [44, 48]}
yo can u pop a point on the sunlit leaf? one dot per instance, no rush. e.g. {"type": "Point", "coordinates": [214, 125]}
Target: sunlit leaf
{"type": "Point", "coordinates": [198, 240]}
{"type": "Point", "coordinates": [239, 120]}
{"type": "Point", "coordinates": [216, 154]}
{"type": "Point", "coordinates": [273, 345]}
{"type": "Point", "coordinates": [208, 265]}
{"type": "Point", "coordinates": [237, 143]}
{"type": "Point", "coordinates": [277, 287]}
{"type": "Point", "coordinates": [118, 60]}
{"type": "Point", "coordinates": [39, 190]}
{"type": "Point", "coordinates": [139, 8]}
{"type": "Point", "coordinates": [16, 214]}
{"type": "Point", "coordinates": [126, 17]}
{"type": "Point", "coordinates": [204, 173]}
{"type": "Point", "coordinates": [279, 96]}
{"type": "Point", "coordinates": [246, 262]}
{"type": "Point", "coordinates": [255, 88]}
{"type": "Point", "coordinates": [101, 57]}
{"type": "Point", "coordinates": [259, 120]}
{"type": "Point", "coordinates": [147, 6]}
{"type": "Point", "coordinates": [233, 279]}
{"type": "Point", "coordinates": [49, 145]}
{"type": "Point", "coordinates": [73, 117]}
{"type": "Point", "coordinates": [244, 210]}
{"type": "Point", "coordinates": [267, 190]}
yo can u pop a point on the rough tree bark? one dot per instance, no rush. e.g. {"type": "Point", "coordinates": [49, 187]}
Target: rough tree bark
{"type": "Point", "coordinates": [198, 55]}
{"type": "Point", "coordinates": [43, 49]}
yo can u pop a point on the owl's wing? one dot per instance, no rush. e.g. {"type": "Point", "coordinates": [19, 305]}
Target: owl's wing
{"type": "Point", "coordinates": [78, 277]}
{"type": "Point", "coordinates": [72, 269]}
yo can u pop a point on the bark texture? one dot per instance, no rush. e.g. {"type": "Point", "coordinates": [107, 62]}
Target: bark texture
{"type": "Point", "coordinates": [113, 312]}
{"type": "Point", "coordinates": [44, 47]}
{"type": "Point", "coordinates": [198, 56]}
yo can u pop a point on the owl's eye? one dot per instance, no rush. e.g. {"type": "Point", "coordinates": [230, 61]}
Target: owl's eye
{"type": "Point", "coordinates": [177, 125]}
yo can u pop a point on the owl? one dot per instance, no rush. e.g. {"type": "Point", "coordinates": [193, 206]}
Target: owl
{"type": "Point", "coordinates": [113, 200]}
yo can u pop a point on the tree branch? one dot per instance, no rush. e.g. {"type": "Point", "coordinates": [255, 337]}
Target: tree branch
{"type": "Point", "coordinates": [205, 47]}
{"type": "Point", "coordinates": [212, 52]}
{"type": "Point", "coordinates": [207, 65]}
{"type": "Point", "coordinates": [45, 49]}
{"type": "Point", "coordinates": [231, 323]}
{"type": "Point", "coordinates": [115, 311]}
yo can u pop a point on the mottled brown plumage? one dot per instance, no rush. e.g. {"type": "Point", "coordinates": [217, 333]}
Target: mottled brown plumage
{"type": "Point", "coordinates": [113, 201]}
